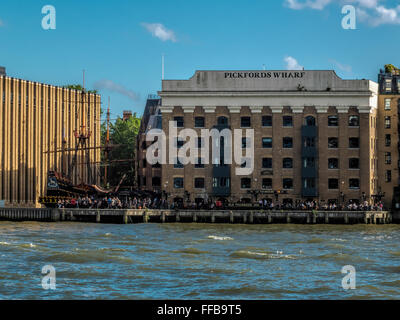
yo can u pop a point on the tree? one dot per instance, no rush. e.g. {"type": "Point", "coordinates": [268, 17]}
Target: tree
{"type": "Point", "coordinates": [123, 133]}
{"type": "Point", "coordinates": [389, 68]}
{"type": "Point", "coordinates": [79, 88]}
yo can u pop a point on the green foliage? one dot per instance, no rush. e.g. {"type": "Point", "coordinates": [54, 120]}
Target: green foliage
{"type": "Point", "coordinates": [389, 68]}
{"type": "Point", "coordinates": [123, 133]}
{"type": "Point", "coordinates": [79, 88]}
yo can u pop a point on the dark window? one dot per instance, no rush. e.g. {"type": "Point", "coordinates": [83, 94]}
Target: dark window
{"type": "Point", "coordinates": [333, 121]}
{"type": "Point", "coordinates": [287, 121]}
{"type": "Point", "coordinates": [354, 121]}
{"type": "Point", "coordinates": [388, 158]}
{"type": "Point", "coordinates": [144, 163]}
{"type": "Point", "coordinates": [354, 183]}
{"type": "Point", "coordinates": [309, 121]}
{"type": "Point", "coordinates": [354, 163]}
{"type": "Point", "coordinates": [267, 142]}
{"type": "Point", "coordinates": [387, 122]}
{"type": "Point", "coordinates": [179, 122]}
{"type": "Point", "coordinates": [199, 142]}
{"type": "Point", "coordinates": [199, 122]}
{"type": "Point", "coordinates": [287, 163]}
{"type": "Point", "coordinates": [267, 121]}
{"type": "Point", "coordinates": [333, 163]}
{"type": "Point", "coordinates": [287, 183]}
{"type": "Point", "coordinates": [388, 176]}
{"type": "Point", "coordinates": [245, 122]}
{"type": "Point", "coordinates": [245, 143]}
{"type": "Point", "coordinates": [179, 143]}
{"type": "Point", "coordinates": [144, 181]}
{"type": "Point", "coordinates": [309, 183]}
{"type": "Point", "coordinates": [199, 183]}
{"type": "Point", "coordinates": [354, 143]}
{"type": "Point", "coordinates": [156, 165]}
{"type": "Point", "coordinates": [333, 142]}
{"type": "Point", "coordinates": [333, 184]}
{"type": "Point", "coordinates": [199, 163]}
{"type": "Point", "coordinates": [309, 142]}
{"type": "Point", "coordinates": [178, 164]}
{"type": "Point", "coordinates": [245, 183]}
{"type": "Point", "coordinates": [267, 163]}
{"type": "Point", "coordinates": [156, 181]}
{"type": "Point", "coordinates": [308, 162]}
{"type": "Point", "coordinates": [224, 182]}
{"type": "Point", "coordinates": [267, 183]}
{"type": "Point", "coordinates": [388, 140]}
{"type": "Point", "coordinates": [222, 121]}
{"type": "Point", "coordinates": [288, 142]}
{"type": "Point", "coordinates": [178, 183]}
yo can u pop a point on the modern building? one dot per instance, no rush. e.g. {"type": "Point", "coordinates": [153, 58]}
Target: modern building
{"type": "Point", "coordinates": [388, 137]}
{"type": "Point", "coordinates": [39, 124]}
{"type": "Point", "coordinates": [315, 136]}
{"type": "Point", "coordinates": [148, 176]}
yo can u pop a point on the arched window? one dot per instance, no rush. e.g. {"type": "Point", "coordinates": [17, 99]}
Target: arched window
{"type": "Point", "coordinates": [222, 121]}
{"type": "Point", "coordinates": [309, 121]}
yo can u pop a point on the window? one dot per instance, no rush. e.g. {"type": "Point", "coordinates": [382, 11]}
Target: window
{"type": "Point", "coordinates": [224, 182]}
{"type": "Point", "coordinates": [267, 121]}
{"type": "Point", "coordinates": [178, 164]}
{"type": "Point", "coordinates": [156, 181]}
{"type": "Point", "coordinates": [388, 140]}
{"type": "Point", "coordinates": [288, 142]}
{"type": "Point", "coordinates": [179, 143]}
{"type": "Point", "coordinates": [354, 121]}
{"type": "Point", "coordinates": [267, 163]}
{"type": "Point", "coordinates": [287, 183]}
{"type": "Point", "coordinates": [179, 122]}
{"type": "Point", "coordinates": [287, 121]}
{"type": "Point", "coordinates": [178, 183]}
{"type": "Point", "coordinates": [199, 163]}
{"type": "Point", "coordinates": [245, 122]}
{"type": "Point", "coordinates": [156, 165]}
{"type": "Point", "coordinates": [199, 183]}
{"type": "Point", "coordinates": [267, 183]}
{"type": "Point", "coordinates": [354, 143]}
{"type": "Point", "coordinates": [144, 163]}
{"type": "Point", "coordinates": [354, 183]}
{"type": "Point", "coordinates": [267, 142]}
{"type": "Point", "coordinates": [308, 162]}
{"type": "Point", "coordinates": [387, 104]}
{"type": "Point", "coordinates": [222, 121]}
{"type": "Point", "coordinates": [333, 143]}
{"type": "Point", "coordinates": [144, 181]}
{"type": "Point", "coordinates": [309, 121]}
{"type": "Point", "coordinates": [287, 163]}
{"type": "Point", "coordinates": [245, 183]}
{"type": "Point", "coordinates": [354, 163]}
{"type": "Point", "coordinates": [388, 85]}
{"type": "Point", "coordinates": [309, 183]}
{"type": "Point", "coordinates": [333, 121]}
{"type": "Point", "coordinates": [199, 122]}
{"type": "Point", "coordinates": [309, 142]}
{"type": "Point", "coordinates": [333, 163]}
{"type": "Point", "coordinates": [388, 158]}
{"type": "Point", "coordinates": [388, 176]}
{"type": "Point", "coordinates": [246, 142]}
{"type": "Point", "coordinates": [333, 184]}
{"type": "Point", "coordinates": [200, 142]}
{"type": "Point", "coordinates": [387, 122]}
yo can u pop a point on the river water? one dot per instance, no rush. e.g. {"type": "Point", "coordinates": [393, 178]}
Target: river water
{"type": "Point", "coordinates": [198, 261]}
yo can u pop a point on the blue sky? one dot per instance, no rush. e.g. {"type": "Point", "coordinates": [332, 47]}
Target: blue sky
{"type": "Point", "coordinates": [119, 43]}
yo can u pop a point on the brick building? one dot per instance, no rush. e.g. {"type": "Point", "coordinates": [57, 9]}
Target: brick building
{"type": "Point", "coordinates": [315, 136]}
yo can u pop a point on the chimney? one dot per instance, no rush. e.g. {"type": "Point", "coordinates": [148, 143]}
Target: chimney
{"type": "Point", "coordinates": [2, 71]}
{"type": "Point", "coordinates": [126, 115]}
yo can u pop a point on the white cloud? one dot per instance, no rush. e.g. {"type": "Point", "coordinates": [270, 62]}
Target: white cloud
{"type": "Point", "coordinates": [160, 31]}
{"type": "Point", "coordinates": [115, 87]}
{"type": "Point", "coordinates": [312, 4]}
{"type": "Point", "coordinates": [292, 64]}
{"type": "Point", "coordinates": [373, 12]}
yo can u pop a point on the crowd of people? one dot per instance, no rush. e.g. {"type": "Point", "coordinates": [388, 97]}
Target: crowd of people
{"type": "Point", "coordinates": [113, 202]}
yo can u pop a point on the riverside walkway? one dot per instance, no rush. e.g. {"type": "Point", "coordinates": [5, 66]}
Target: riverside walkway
{"type": "Point", "coordinates": [193, 216]}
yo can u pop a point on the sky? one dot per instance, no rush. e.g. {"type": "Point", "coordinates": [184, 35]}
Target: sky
{"type": "Point", "coordinates": [120, 43]}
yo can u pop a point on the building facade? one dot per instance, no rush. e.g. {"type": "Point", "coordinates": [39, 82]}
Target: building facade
{"type": "Point", "coordinates": [38, 124]}
{"type": "Point", "coordinates": [315, 136]}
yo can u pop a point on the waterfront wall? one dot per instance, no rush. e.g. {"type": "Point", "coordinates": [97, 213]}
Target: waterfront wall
{"type": "Point", "coordinates": [200, 216]}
